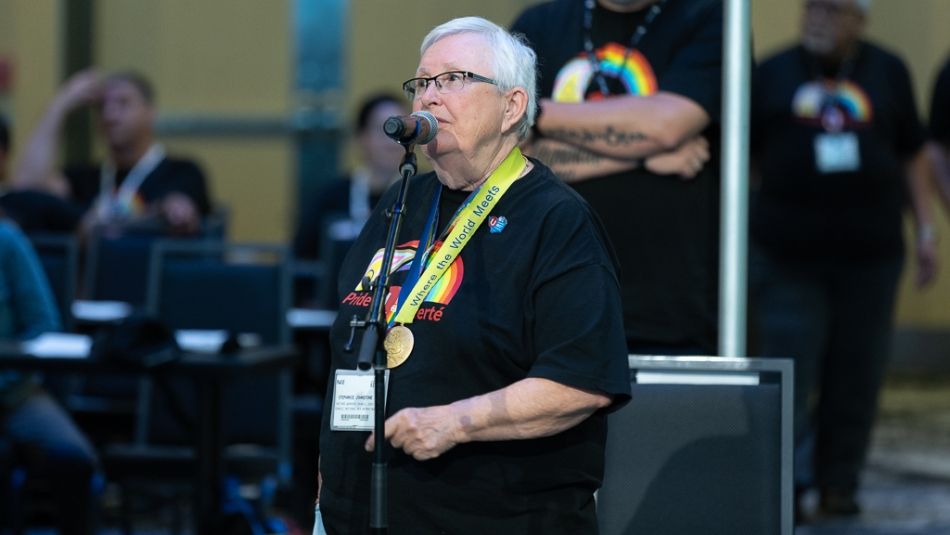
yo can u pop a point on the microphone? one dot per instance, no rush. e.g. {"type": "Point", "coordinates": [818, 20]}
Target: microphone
{"type": "Point", "coordinates": [419, 128]}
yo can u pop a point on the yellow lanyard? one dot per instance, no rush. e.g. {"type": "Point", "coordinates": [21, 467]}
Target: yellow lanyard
{"type": "Point", "coordinates": [463, 227]}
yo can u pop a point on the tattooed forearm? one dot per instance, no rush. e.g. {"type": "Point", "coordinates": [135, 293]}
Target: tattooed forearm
{"type": "Point", "coordinates": [555, 157]}
{"type": "Point", "coordinates": [573, 164]}
{"type": "Point", "coordinates": [610, 136]}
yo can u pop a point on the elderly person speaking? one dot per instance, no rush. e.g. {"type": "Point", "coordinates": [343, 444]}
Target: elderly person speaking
{"type": "Point", "coordinates": [513, 352]}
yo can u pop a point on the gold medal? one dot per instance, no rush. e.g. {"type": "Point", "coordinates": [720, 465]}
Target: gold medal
{"type": "Point", "coordinates": [398, 344]}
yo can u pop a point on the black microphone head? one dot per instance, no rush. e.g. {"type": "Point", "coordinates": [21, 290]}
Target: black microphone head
{"type": "Point", "coordinates": [427, 134]}
{"type": "Point", "coordinates": [394, 127]}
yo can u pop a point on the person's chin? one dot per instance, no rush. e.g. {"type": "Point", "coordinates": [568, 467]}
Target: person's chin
{"type": "Point", "coordinates": [116, 139]}
{"type": "Point", "coordinates": [431, 149]}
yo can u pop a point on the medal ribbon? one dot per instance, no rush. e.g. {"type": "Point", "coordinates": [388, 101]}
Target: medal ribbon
{"type": "Point", "coordinates": [465, 222]}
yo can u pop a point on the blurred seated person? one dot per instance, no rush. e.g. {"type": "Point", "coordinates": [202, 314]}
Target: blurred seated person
{"type": "Point", "coordinates": [345, 204]}
{"type": "Point", "coordinates": [136, 186]}
{"type": "Point", "coordinates": [45, 440]}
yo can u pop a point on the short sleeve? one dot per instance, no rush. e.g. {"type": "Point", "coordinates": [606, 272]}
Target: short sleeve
{"type": "Point", "coordinates": [83, 182]}
{"type": "Point", "coordinates": [695, 71]}
{"type": "Point", "coordinates": [577, 317]}
{"type": "Point", "coordinates": [910, 134]}
{"type": "Point", "coordinates": [190, 180]}
{"type": "Point", "coordinates": [578, 332]}
{"type": "Point", "coordinates": [31, 300]}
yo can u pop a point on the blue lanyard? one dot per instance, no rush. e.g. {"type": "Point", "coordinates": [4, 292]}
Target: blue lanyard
{"type": "Point", "coordinates": [426, 242]}
{"type": "Point", "coordinates": [422, 250]}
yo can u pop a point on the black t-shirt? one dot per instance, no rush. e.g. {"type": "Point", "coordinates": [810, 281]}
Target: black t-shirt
{"type": "Point", "coordinates": [532, 295]}
{"type": "Point", "coordinates": [665, 230]}
{"type": "Point", "coordinates": [940, 107]}
{"type": "Point", "coordinates": [169, 176]}
{"type": "Point", "coordinates": [802, 213]}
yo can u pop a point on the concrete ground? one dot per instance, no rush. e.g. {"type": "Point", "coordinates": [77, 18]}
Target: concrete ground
{"type": "Point", "coordinates": [906, 487]}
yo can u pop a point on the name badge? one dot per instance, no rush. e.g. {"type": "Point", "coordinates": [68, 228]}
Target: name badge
{"type": "Point", "coordinates": [837, 153]}
{"type": "Point", "coordinates": [353, 406]}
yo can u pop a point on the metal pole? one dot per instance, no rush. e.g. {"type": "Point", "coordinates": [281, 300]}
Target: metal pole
{"type": "Point", "coordinates": [734, 215]}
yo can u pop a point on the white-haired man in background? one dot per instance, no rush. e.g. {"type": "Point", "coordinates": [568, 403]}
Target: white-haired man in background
{"type": "Point", "coordinates": [840, 149]}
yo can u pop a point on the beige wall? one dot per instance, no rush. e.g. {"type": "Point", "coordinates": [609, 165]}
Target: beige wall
{"type": "Point", "coordinates": [235, 57]}
{"type": "Point", "coordinates": [29, 35]}
{"type": "Point", "coordinates": [227, 57]}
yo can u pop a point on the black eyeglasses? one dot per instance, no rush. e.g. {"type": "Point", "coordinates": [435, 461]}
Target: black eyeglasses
{"type": "Point", "coordinates": [447, 82]}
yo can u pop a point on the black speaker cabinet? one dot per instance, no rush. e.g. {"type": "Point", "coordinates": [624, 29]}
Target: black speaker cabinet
{"type": "Point", "coordinates": [704, 447]}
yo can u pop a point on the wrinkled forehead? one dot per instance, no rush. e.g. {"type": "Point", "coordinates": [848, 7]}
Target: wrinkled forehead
{"type": "Point", "coordinates": [458, 52]}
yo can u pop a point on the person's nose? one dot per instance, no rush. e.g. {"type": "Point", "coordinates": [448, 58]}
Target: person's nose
{"type": "Point", "coordinates": [430, 95]}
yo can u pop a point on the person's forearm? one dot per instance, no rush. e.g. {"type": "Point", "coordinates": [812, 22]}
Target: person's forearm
{"type": "Point", "coordinates": [530, 408]}
{"type": "Point", "coordinates": [37, 161]}
{"type": "Point", "coordinates": [573, 164]}
{"type": "Point", "coordinates": [626, 127]}
{"type": "Point", "coordinates": [918, 172]}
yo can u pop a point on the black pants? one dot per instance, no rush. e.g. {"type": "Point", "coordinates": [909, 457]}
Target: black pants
{"type": "Point", "coordinates": [835, 319]}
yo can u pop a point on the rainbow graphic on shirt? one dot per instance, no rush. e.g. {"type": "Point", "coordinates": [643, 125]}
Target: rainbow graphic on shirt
{"type": "Point", "coordinates": [124, 209]}
{"type": "Point", "coordinates": [848, 96]}
{"type": "Point", "coordinates": [402, 258]}
{"type": "Point", "coordinates": [448, 285]}
{"type": "Point", "coordinates": [442, 293]}
{"type": "Point", "coordinates": [138, 204]}
{"type": "Point", "coordinates": [575, 80]}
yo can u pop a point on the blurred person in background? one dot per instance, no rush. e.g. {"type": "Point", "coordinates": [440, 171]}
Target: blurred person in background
{"type": "Point", "coordinates": [629, 107]}
{"type": "Point", "coordinates": [337, 212]}
{"type": "Point", "coordinates": [136, 185]}
{"type": "Point", "coordinates": [44, 438]}
{"type": "Point", "coordinates": [347, 202]}
{"type": "Point", "coordinates": [840, 149]}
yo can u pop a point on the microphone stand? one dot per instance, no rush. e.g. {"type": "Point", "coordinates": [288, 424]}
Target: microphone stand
{"type": "Point", "coordinates": [372, 354]}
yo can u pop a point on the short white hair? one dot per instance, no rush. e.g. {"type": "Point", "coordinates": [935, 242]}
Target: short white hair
{"type": "Point", "coordinates": [514, 62]}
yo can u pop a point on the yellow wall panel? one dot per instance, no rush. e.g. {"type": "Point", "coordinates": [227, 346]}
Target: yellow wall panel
{"type": "Point", "coordinates": [31, 39]}
{"type": "Point", "coordinates": [224, 58]}
{"type": "Point", "coordinates": [209, 56]}
{"type": "Point", "coordinates": [250, 177]}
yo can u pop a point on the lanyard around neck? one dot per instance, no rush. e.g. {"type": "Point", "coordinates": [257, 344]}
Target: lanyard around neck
{"type": "Point", "coordinates": [457, 234]}
{"type": "Point", "coordinates": [635, 39]}
{"type": "Point", "coordinates": [118, 202]}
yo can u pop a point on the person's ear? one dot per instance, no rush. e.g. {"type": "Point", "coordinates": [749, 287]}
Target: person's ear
{"type": "Point", "coordinates": [515, 108]}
